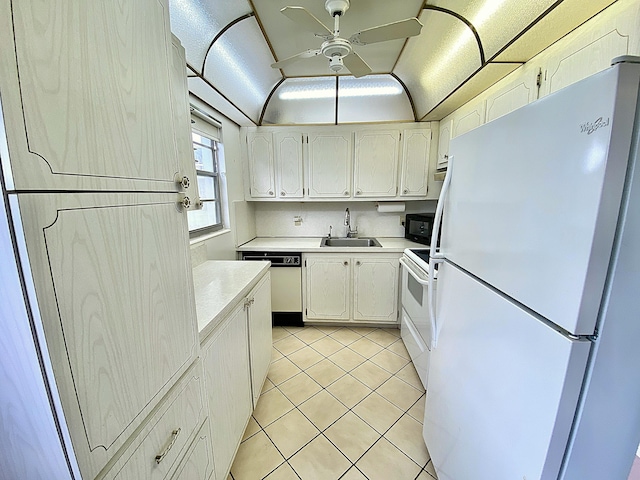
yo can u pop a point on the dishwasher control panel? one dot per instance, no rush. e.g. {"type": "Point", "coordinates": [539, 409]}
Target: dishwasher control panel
{"type": "Point", "coordinates": [277, 259]}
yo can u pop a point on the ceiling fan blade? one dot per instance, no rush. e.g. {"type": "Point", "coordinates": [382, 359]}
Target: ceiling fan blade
{"type": "Point", "coordinates": [391, 31]}
{"type": "Point", "coordinates": [306, 20]}
{"type": "Point", "coordinates": [356, 65]}
{"type": "Point", "coordinates": [295, 58]}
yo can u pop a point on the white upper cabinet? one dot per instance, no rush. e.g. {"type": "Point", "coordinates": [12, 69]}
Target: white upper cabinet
{"type": "Point", "coordinates": [330, 159]}
{"type": "Point", "coordinates": [70, 70]}
{"type": "Point", "coordinates": [376, 163]}
{"type": "Point", "coordinates": [288, 147]}
{"type": "Point", "coordinates": [414, 167]}
{"type": "Point", "coordinates": [261, 164]}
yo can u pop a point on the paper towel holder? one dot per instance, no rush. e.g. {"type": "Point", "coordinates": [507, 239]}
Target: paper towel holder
{"type": "Point", "coordinates": [390, 207]}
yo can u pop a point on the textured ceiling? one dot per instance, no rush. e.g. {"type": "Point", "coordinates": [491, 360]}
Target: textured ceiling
{"type": "Point", "coordinates": [464, 47]}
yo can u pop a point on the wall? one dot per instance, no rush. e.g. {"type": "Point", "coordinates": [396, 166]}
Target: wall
{"type": "Point", "coordinates": [277, 219]}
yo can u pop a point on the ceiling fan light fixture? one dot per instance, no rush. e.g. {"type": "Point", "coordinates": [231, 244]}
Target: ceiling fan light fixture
{"type": "Point", "coordinates": [336, 7]}
{"type": "Point", "coordinates": [335, 64]}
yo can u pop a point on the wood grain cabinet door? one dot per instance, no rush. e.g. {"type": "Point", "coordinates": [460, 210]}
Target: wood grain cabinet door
{"type": "Point", "coordinates": [375, 285]}
{"type": "Point", "coordinates": [376, 164]}
{"type": "Point", "coordinates": [260, 341]}
{"type": "Point", "coordinates": [114, 290]}
{"type": "Point", "coordinates": [87, 95]}
{"type": "Point", "coordinates": [328, 287]}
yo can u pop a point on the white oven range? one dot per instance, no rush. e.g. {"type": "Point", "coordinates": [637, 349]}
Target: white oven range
{"type": "Point", "coordinates": [415, 323]}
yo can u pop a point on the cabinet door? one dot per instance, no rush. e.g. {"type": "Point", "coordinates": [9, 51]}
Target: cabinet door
{"type": "Point", "coordinates": [513, 96]}
{"type": "Point", "coordinates": [375, 285]}
{"type": "Point", "coordinates": [198, 462]}
{"type": "Point", "coordinates": [182, 120]}
{"type": "Point", "coordinates": [289, 173]}
{"type": "Point", "coordinates": [86, 94]}
{"type": "Point", "coordinates": [261, 165]}
{"type": "Point", "coordinates": [114, 291]}
{"type": "Point", "coordinates": [225, 358]}
{"type": "Point", "coordinates": [414, 175]}
{"type": "Point", "coordinates": [444, 137]}
{"type": "Point", "coordinates": [376, 163]}
{"type": "Point", "coordinates": [260, 342]}
{"type": "Point", "coordinates": [330, 156]}
{"type": "Point", "coordinates": [328, 287]}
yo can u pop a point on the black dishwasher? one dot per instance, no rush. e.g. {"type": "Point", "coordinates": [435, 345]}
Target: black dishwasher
{"type": "Point", "coordinates": [286, 285]}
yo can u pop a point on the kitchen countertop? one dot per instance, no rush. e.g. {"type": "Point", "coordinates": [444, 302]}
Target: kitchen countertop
{"type": "Point", "coordinates": [312, 244]}
{"type": "Point", "coordinates": [219, 285]}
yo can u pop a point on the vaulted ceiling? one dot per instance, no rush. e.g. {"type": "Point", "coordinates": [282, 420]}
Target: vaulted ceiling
{"type": "Point", "coordinates": [464, 47]}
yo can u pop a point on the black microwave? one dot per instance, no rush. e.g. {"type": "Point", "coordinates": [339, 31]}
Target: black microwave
{"type": "Point", "coordinates": [418, 227]}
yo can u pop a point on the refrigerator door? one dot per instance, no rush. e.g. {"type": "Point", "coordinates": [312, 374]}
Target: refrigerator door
{"type": "Point", "coordinates": [503, 386]}
{"type": "Point", "coordinates": [534, 197]}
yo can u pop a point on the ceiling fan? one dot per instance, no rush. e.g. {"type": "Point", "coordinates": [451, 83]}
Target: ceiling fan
{"type": "Point", "coordinates": [339, 50]}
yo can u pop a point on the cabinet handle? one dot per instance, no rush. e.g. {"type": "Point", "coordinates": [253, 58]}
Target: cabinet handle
{"type": "Point", "coordinates": [358, 262]}
{"type": "Point", "coordinates": [174, 436]}
{"type": "Point", "coordinates": [359, 192]}
{"type": "Point", "coordinates": [406, 190]}
{"type": "Point", "coordinates": [184, 202]}
{"type": "Point", "coordinates": [246, 304]}
{"type": "Point", "coordinates": [182, 181]}
{"type": "Point", "coordinates": [346, 194]}
{"type": "Point", "coordinates": [345, 263]}
{"type": "Point", "coordinates": [271, 192]}
{"type": "Point", "coordinates": [283, 194]}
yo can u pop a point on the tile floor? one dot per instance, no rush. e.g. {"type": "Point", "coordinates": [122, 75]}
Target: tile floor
{"type": "Point", "coordinates": [338, 403]}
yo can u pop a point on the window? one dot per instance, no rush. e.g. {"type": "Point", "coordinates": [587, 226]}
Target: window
{"type": "Point", "coordinates": [206, 152]}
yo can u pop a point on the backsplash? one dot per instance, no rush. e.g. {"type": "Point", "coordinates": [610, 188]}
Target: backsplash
{"type": "Point", "coordinates": [279, 219]}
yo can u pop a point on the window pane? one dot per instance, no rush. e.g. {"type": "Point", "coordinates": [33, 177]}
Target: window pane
{"type": "Point", "coordinates": [203, 157]}
{"type": "Point", "coordinates": [206, 187]}
{"type": "Point", "coordinates": [200, 139]}
{"type": "Point", "coordinates": [204, 217]}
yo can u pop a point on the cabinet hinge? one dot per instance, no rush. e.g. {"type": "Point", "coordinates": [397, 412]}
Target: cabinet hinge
{"type": "Point", "coordinates": [305, 311]}
{"type": "Point", "coordinates": [305, 263]}
{"type": "Point", "coordinates": [539, 78]}
{"type": "Point", "coordinates": [431, 134]}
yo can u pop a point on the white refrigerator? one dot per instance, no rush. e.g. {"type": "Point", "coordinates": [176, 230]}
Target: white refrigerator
{"type": "Point", "coordinates": [535, 372]}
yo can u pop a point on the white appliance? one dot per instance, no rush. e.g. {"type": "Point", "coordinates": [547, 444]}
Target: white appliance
{"type": "Point", "coordinates": [415, 325]}
{"type": "Point", "coordinates": [535, 371]}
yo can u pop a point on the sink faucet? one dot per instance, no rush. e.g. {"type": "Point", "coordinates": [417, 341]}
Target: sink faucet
{"type": "Point", "coordinates": [347, 222]}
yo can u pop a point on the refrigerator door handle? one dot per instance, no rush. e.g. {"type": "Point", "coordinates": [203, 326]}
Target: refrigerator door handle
{"type": "Point", "coordinates": [433, 321]}
{"type": "Point", "coordinates": [434, 253]}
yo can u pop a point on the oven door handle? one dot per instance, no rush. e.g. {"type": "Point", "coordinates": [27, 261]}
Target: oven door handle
{"type": "Point", "coordinates": [409, 268]}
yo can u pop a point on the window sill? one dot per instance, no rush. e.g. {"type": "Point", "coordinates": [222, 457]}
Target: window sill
{"type": "Point", "coordinates": [208, 236]}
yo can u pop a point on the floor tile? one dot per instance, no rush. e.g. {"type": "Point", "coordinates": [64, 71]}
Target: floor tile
{"type": "Point", "coordinates": [347, 359]}
{"type": "Point", "coordinates": [325, 372]}
{"type": "Point", "coordinates": [291, 329]}
{"type": "Point", "coordinates": [322, 409]}
{"type": "Point", "coordinates": [327, 346]}
{"type": "Point", "coordinates": [352, 436]}
{"type": "Point", "coordinates": [300, 388]}
{"type": "Point", "coordinates": [398, 348]}
{"type": "Point", "coordinates": [417, 410]}
{"type": "Point", "coordinates": [384, 461]}
{"type": "Point", "coordinates": [320, 460]}
{"type": "Point", "coordinates": [346, 336]}
{"type": "Point", "coordinates": [349, 390]}
{"type": "Point", "coordinates": [353, 474]}
{"type": "Point", "coordinates": [430, 469]}
{"type": "Point", "coordinates": [403, 435]}
{"type": "Point", "coordinates": [278, 333]}
{"type": "Point", "coordinates": [389, 361]}
{"type": "Point", "coordinates": [382, 337]}
{"type": "Point", "coordinates": [377, 412]}
{"type": "Point", "coordinates": [400, 393]}
{"type": "Point", "coordinates": [310, 334]}
{"type": "Point", "coordinates": [283, 472]}
{"type": "Point", "coordinates": [252, 429]}
{"type": "Point", "coordinates": [409, 375]}
{"type": "Point", "coordinates": [282, 370]}
{"type": "Point", "coordinates": [276, 355]}
{"type": "Point", "coordinates": [363, 330]}
{"type": "Point", "coordinates": [289, 344]}
{"type": "Point", "coordinates": [393, 331]}
{"type": "Point", "coordinates": [271, 406]}
{"type": "Point", "coordinates": [365, 347]}
{"type": "Point", "coordinates": [327, 329]}
{"type": "Point", "coordinates": [370, 374]}
{"type": "Point", "coordinates": [256, 457]}
{"type": "Point", "coordinates": [292, 432]}
{"type": "Point", "coordinates": [305, 357]}
{"type": "Point", "coordinates": [268, 385]}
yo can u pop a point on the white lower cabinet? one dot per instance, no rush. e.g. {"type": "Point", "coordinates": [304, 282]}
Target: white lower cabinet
{"type": "Point", "coordinates": [198, 461]}
{"type": "Point", "coordinates": [236, 358]}
{"type": "Point", "coordinates": [358, 288]}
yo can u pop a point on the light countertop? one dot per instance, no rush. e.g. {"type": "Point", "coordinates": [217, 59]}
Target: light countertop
{"type": "Point", "coordinates": [312, 244]}
{"type": "Point", "coordinates": [219, 285]}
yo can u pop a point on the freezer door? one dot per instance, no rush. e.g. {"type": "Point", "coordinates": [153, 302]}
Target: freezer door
{"type": "Point", "coordinates": [503, 387]}
{"type": "Point", "coordinates": [534, 197]}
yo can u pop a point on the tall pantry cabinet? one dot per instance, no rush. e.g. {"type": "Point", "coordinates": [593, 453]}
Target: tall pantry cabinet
{"type": "Point", "coordinates": [97, 177]}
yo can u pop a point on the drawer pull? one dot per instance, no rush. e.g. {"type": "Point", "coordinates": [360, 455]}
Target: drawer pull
{"type": "Point", "coordinates": [174, 436]}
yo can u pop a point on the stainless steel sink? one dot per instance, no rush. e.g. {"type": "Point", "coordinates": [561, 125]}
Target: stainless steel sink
{"type": "Point", "coordinates": [349, 242]}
